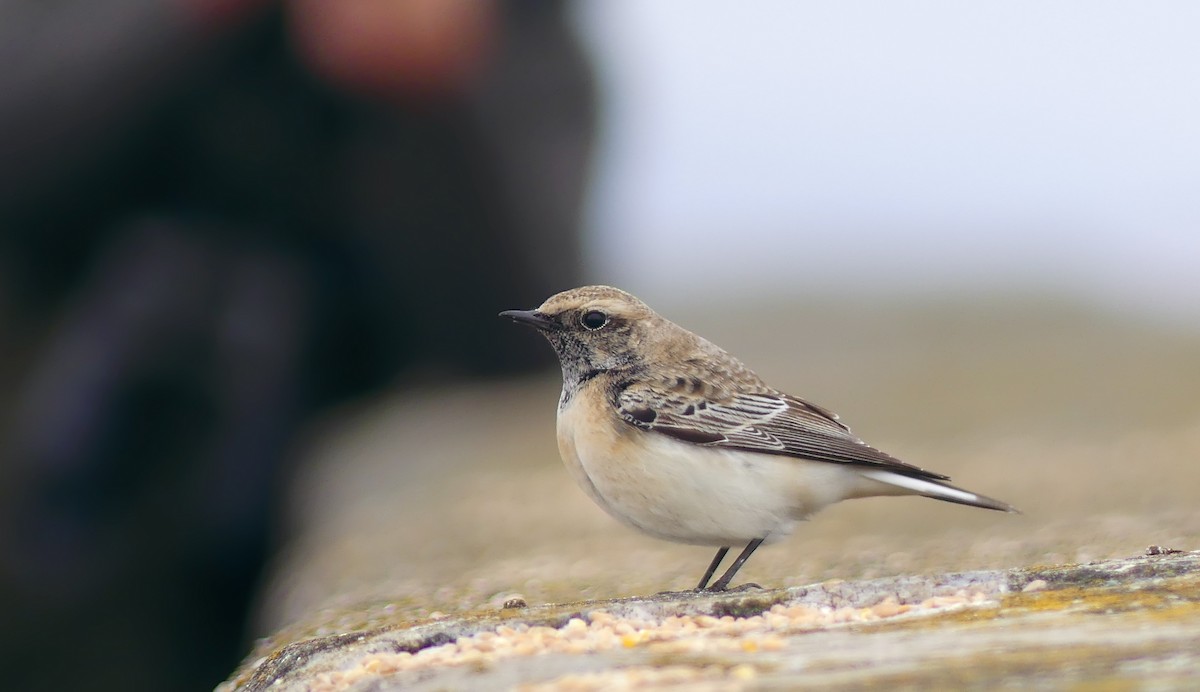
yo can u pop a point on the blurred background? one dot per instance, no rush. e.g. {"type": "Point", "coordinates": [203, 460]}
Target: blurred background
{"type": "Point", "coordinates": [917, 148]}
{"type": "Point", "coordinates": [251, 255]}
{"type": "Point", "coordinates": [219, 220]}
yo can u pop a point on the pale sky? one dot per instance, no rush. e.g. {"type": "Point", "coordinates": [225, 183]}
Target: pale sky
{"type": "Point", "coordinates": [895, 146]}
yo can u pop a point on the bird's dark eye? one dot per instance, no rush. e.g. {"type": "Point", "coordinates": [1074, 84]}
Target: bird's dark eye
{"type": "Point", "coordinates": [593, 319]}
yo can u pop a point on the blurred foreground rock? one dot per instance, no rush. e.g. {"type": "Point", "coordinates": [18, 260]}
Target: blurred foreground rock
{"type": "Point", "coordinates": [1133, 621]}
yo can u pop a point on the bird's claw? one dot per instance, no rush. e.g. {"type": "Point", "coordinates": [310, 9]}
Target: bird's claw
{"type": "Point", "coordinates": [748, 586]}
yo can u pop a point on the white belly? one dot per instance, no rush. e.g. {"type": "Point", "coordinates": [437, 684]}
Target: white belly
{"type": "Point", "coordinates": [691, 494]}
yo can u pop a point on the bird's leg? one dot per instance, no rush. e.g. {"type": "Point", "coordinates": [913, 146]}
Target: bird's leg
{"type": "Point", "coordinates": [723, 582]}
{"type": "Point", "coordinates": [712, 567]}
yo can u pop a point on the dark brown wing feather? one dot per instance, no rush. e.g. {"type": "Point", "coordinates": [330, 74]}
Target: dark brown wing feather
{"type": "Point", "coordinates": [760, 420]}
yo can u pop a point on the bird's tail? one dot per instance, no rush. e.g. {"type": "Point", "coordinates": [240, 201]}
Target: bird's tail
{"type": "Point", "coordinates": [938, 490]}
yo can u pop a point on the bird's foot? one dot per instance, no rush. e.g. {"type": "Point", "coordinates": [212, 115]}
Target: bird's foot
{"type": "Point", "coordinates": [676, 593]}
{"type": "Point", "coordinates": [748, 586]}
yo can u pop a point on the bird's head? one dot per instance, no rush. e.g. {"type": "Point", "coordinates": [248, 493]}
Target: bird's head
{"type": "Point", "coordinates": [596, 329]}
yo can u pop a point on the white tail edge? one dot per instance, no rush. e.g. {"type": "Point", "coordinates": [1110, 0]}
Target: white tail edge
{"type": "Point", "coordinates": [937, 490]}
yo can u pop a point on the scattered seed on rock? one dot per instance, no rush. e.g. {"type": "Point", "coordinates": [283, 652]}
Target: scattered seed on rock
{"type": "Point", "coordinates": [672, 635]}
{"type": "Point", "coordinates": [1035, 585]}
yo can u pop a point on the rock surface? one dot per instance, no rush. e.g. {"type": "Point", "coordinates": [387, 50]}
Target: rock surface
{"type": "Point", "coordinates": [1133, 621]}
{"type": "Point", "coordinates": [419, 516]}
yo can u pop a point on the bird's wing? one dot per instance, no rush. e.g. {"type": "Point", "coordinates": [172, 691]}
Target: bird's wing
{"type": "Point", "coordinates": [761, 420]}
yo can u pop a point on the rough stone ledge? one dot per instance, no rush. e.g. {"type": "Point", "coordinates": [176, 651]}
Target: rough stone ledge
{"type": "Point", "coordinates": [286, 665]}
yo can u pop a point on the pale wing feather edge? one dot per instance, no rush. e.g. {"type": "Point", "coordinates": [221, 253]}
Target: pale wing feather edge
{"type": "Point", "coordinates": [767, 422]}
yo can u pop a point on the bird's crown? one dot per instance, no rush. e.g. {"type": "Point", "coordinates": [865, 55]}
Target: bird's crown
{"type": "Point", "coordinates": [605, 299]}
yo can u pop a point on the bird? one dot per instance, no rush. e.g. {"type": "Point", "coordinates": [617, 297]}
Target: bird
{"type": "Point", "coordinates": [675, 437]}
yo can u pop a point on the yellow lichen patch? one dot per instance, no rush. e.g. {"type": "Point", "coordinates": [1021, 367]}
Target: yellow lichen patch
{"type": "Point", "coordinates": [1178, 595]}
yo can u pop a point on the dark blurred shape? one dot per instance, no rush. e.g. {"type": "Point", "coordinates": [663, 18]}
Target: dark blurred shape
{"type": "Point", "coordinates": [217, 219]}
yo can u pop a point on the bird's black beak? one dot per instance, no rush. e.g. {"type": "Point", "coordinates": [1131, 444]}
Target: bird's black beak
{"type": "Point", "coordinates": [532, 318]}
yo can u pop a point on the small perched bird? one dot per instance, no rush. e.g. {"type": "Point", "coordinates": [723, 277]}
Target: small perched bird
{"type": "Point", "coordinates": [678, 439]}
